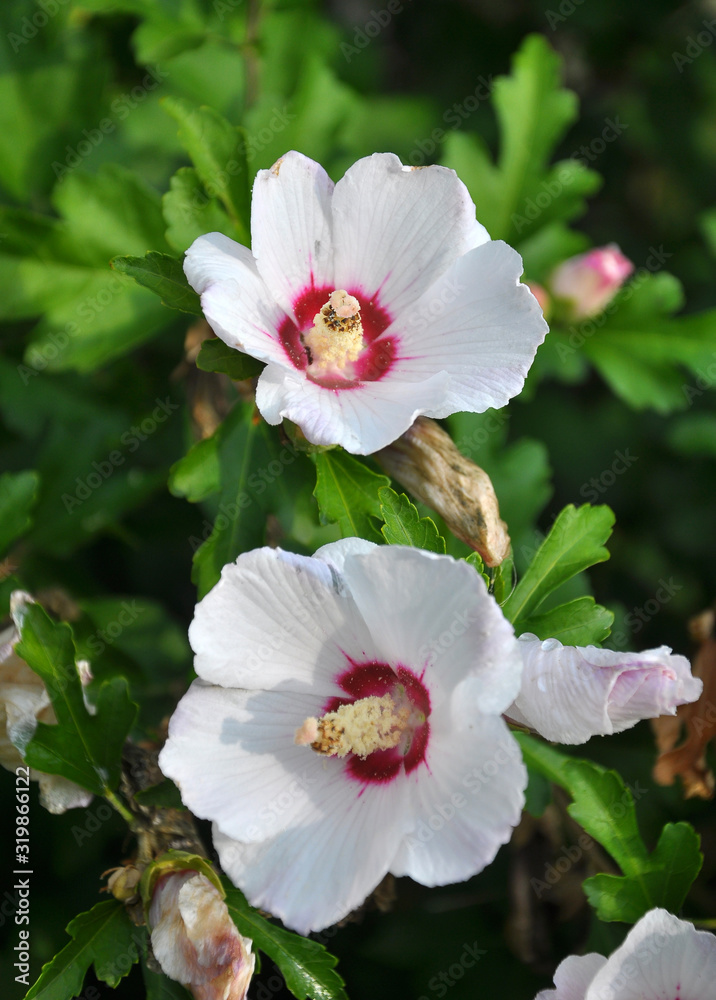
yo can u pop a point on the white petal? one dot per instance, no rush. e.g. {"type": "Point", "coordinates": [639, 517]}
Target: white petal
{"type": "Point", "coordinates": [570, 693]}
{"type": "Point", "coordinates": [573, 977]}
{"type": "Point", "coordinates": [662, 958]}
{"type": "Point", "coordinates": [433, 613]}
{"type": "Point", "coordinates": [362, 419]}
{"type": "Point", "coordinates": [58, 794]}
{"type": "Point", "coordinates": [277, 618]}
{"type": "Point", "coordinates": [315, 873]}
{"type": "Point", "coordinates": [478, 323]}
{"type": "Point", "coordinates": [466, 801]}
{"type": "Point", "coordinates": [232, 754]}
{"type": "Point", "coordinates": [397, 229]}
{"type": "Point", "coordinates": [336, 553]}
{"type": "Point", "coordinates": [237, 305]}
{"type": "Point", "coordinates": [291, 227]}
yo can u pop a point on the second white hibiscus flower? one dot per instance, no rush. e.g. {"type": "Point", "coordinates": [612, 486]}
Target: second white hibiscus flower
{"type": "Point", "coordinates": [372, 301]}
{"type": "Point", "coordinates": [347, 721]}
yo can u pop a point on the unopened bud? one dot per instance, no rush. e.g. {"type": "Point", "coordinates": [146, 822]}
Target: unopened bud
{"type": "Point", "coordinates": [427, 463]}
{"type": "Point", "coordinates": [194, 938]}
{"type": "Point", "coordinates": [588, 282]}
{"type": "Point", "coordinates": [123, 883]}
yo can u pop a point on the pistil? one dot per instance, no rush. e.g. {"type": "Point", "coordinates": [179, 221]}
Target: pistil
{"type": "Point", "coordinates": [360, 728]}
{"type": "Point", "coordinates": [336, 338]}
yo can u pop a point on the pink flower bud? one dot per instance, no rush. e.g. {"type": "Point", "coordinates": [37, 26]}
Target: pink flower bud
{"type": "Point", "coordinates": [589, 281]}
{"type": "Point", "coordinates": [195, 940]}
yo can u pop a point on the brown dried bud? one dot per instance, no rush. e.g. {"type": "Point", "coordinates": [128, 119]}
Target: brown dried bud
{"type": "Point", "coordinates": [426, 461]}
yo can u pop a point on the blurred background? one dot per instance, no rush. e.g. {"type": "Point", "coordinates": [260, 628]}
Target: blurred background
{"type": "Point", "coordinates": [86, 151]}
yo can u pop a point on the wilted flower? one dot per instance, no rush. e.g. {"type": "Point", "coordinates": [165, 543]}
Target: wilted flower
{"type": "Point", "coordinates": [346, 723]}
{"type": "Point", "coordinates": [427, 462]}
{"type": "Point", "coordinates": [195, 940]}
{"type": "Point", "coordinates": [372, 301]}
{"type": "Point", "coordinates": [589, 281]}
{"type": "Point", "coordinates": [24, 702]}
{"type": "Point", "coordinates": [570, 693]}
{"type": "Point", "coordinates": [662, 957]}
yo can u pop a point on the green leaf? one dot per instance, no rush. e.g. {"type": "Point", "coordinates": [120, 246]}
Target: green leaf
{"type": "Point", "coordinates": [581, 622]}
{"type": "Point", "coordinates": [163, 275]}
{"type": "Point", "coordinates": [165, 795]}
{"type": "Point", "coordinates": [309, 970]}
{"type": "Point", "coordinates": [475, 560]}
{"type": "Point", "coordinates": [521, 192]}
{"type": "Point", "coordinates": [404, 525]}
{"type": "Point", "coordinates": [253, 473]}
{"type": "Point", "coordinates": [189, 212]}
{"type": "Point", "coordinates": [218, 151]}
{"type": "Point", "coordinates": [17, 497]}
{"type": "Point", "coordinates": [575, 542]}
{"type": "Point", "coordinates": [59, 269]}
{"type": "Point", "coordinates": [665, 881]}
{"type": "Point", "coordinates": [103, 937]}
{"type": "Point", "coordinates": [82, 747]}
{"type": "Point", "coordinates": [503, 582]}
{"type": "Point", "coordinates": [604, 806]}
{"type": "Point", "coordinates": [347, 492]}
{"type": "Point", "coordinates": [216, 356]}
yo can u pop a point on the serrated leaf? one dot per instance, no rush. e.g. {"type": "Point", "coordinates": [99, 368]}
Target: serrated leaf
{"type": "Point", "coordinates": [404, 525]}
{"type": "Point", "coordinates": [604, 806]}
{"type": "Point", "coordinates": [580, 622]}
{"type": "Point", "coordinates": [475, 560]}
{"type": "Point", "coordinates": [17, 497]}
{"type": "Point", "coordinates": [84, 748]}
{"type": "Point", "coordinates": [103, 937]}
{"type": "Point", "coordinates": [163, 275]}
{"type": "Point", "coordinates": [189, 212]}
{"type": "Point", "coordinates": [309, 970]}
{"type": "Point", "coordinates": [521, 192]}
{"type": "Point", "coordinates": [575, 542]}
{"type": "Point", "coordinates": [347, 492]}
{"type": "Point", "coordinates": [251, 474]}
{"type": "Point", "coordinates": [665, 880]}
{"type": "Point", "coordinates": [216, 356]}
{"type": "Point", "coordinates": [218, 151]}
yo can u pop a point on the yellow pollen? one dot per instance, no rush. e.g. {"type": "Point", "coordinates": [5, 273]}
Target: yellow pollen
{"type": "Point", "coordinates": [368, 724]}
{"type": "Point", "coordinates": [336, 337]}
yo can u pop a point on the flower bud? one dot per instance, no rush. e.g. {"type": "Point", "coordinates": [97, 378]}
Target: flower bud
{"type": "Point", "coordinates": [570, 693]}
{"type": "Point", "coordinates": [123, 883]}
{"type": "Point", "coordinates": [194, 938]}
{"type": "Point", "coordinates": [589, 281]}
{"type": "Point", "coordinates": [425, 460]}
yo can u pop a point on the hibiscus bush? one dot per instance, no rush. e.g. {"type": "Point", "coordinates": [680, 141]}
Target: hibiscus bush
{"type": "Point", "coordinates": [357, 575]}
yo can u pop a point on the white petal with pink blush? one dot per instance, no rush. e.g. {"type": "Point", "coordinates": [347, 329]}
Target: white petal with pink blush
{"type": "Point", "coordinates": [662, 958]}
{"type": "Point", "coordinates": [365, 739]}
{"type": "Point", "coordinates": [373, 301]}
{"type": "Point", "coordinates": [570, 693]}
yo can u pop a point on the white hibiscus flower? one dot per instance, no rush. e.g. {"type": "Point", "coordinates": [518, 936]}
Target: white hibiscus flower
{"type": "Point", "coordinates": [395, 665]}
{"type": "Point", "coordinates": [372, 301]}
{"type": "Point", "coordinates": [662, 958]}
